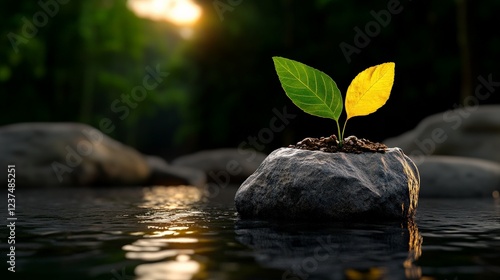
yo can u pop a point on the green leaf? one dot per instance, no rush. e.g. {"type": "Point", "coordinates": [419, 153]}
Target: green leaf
{"type": "Point", "coordinates": [309, 89]}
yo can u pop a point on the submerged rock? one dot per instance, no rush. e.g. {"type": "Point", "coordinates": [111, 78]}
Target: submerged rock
{"type": "Point", "coordinates": [295, 184]}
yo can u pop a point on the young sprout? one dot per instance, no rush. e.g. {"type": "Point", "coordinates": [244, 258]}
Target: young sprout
{"type": "Point", "coordinates": [317, 94]}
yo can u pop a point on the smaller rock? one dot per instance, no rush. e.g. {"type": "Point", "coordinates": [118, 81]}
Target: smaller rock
{"type": "Point", "coordinates": [167, 175]}
{"type": "Point", "coordinates": [295, 184]}
{"type": "Point", "coordinates": [223, 166]}
{"type": "Point", "coordinates": [466, 132]}
{"type": "Point", "coordinates": [458, 177]}
{"type": "Point", "coordinates": [67, 155]}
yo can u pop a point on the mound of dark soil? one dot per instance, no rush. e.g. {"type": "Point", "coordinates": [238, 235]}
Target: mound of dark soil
{"type": "Point", "coordinates": [331, 145]}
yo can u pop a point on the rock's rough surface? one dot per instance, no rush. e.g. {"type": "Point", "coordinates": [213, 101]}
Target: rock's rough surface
{"type": "Point", "coordinates": [223, 166]}
{"type": "Point", "coordinates": [295, 184]}
{"type": "Point", "coordinates": [69, 154]}
{"type": "Point", "coordinates": [458, 177]}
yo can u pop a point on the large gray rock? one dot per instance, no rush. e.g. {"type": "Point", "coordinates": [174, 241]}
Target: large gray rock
{"type": "Point", "coordinates": [458, 177]}
{"type": "Point", "coordinates": [68, 154]}
{"type": "Point", "coordinates": [295, 184]}
{"type": "Point", "coordinates": [467, 132]}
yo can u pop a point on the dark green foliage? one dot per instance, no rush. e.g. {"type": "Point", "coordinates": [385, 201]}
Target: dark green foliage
{"type": "Point", "coordinates": [85, 57]}
{"type": "Point", "coordinates": [222, 87]}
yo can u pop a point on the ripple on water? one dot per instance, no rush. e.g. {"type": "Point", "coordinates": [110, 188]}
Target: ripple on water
{"type": "Point", "coordinates": [172, 233]}
{"type": "Point", "coordinates": [180, 268]}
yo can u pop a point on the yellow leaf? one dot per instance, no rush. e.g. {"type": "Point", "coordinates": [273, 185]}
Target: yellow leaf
{"type": "Point", "coordinates": [369, 90]}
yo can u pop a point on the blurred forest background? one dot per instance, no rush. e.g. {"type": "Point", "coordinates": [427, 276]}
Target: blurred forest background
{"type": "Point", "coordinates": [73, 60]}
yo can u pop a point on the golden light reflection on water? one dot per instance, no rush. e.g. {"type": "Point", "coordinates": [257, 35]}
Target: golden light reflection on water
{"type": "Point", "coordinates": [374, 273]}
{"type": "Point", "coordinates": [156, 256]}
{"type": "Point", "coordinates": [168, 245]}
{"type": "Point", "coordinates": [413, 271]}
{"type": "Point", "coordinates": [160, 197]}
{"type": "Point", "coordinates": [182, 267]}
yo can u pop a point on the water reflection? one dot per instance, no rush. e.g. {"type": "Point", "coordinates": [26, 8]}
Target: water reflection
{"type": "Point", "coordinates": [413, 271]}
{"type": "Point", "coordinates": [169, 243]}
{"type": "Point", "coordinates": [461, 238]}
{"type": "Point", "coordinates": [179, 269]}
{"type": "Point", "coordinates": [109, 233]}
{"type": "Point", "coordinates": [335, 251]}
{"type": "Point", "coordinates": [161, 198]}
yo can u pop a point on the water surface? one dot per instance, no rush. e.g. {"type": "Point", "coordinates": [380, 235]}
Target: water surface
{"type": "Point", "coordinates": [178, 233]}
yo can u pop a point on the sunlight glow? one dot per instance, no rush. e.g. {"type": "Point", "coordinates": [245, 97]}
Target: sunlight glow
{"type": "Point", "coordinates": [179, 12]}
{"type": "Point", "coordinates": [181, 268]}
{"type": "Point", "coordinates": [169, 198]}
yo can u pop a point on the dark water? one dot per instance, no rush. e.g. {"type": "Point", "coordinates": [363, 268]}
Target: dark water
{"type": "Point", "coordinates": [178, 233]}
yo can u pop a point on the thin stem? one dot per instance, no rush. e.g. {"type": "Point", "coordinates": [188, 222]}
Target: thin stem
{"type": "Point", "coordinates": [338, 129]}
{"type": "Point", "coordinates": [343, 130]}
